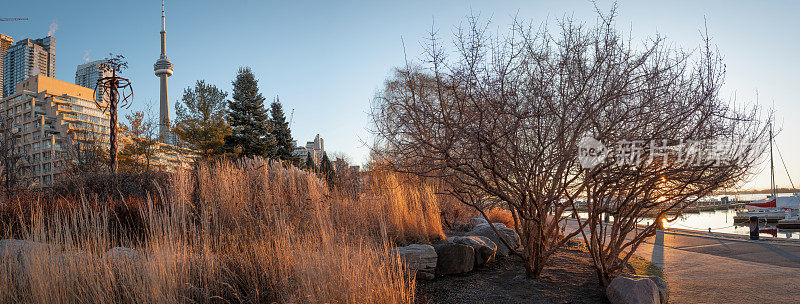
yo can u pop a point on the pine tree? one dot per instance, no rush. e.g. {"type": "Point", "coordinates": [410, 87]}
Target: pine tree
{"type": "Point", "coordinates": [248, 118]}
{"type": "Point", "coordinates": [310, 165]}
{"type": "Point", "coordinates": [281, 132]}
{"type": "Point", "coordinates": [326, 169]}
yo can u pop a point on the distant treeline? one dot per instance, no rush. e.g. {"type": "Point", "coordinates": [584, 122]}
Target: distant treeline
{"type": "Point", "coordinates": [756, 191]}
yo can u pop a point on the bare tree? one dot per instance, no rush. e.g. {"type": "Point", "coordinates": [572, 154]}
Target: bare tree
{"type": "Point", "coordinates": [671, 141]}
{"type": "Point", "coordinates": [81, 158]}
{"type": "Point", "coordinates": [500, 122]}
{"type": "Point", "coordinates": [504, 118]}
{"type": "Point", "coordinates": [13, 163]}
{"type": "Point", "coordinates": [141, 141]}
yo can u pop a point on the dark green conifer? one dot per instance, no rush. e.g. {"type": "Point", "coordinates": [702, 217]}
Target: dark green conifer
{"type": "Point", "coordinates": [281, 133]}
{"type": "Point", "coordinates": [248, 118]}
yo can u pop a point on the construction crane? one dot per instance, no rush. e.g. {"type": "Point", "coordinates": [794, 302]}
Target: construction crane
{"type": "Point", "coordinates": [13, 19]}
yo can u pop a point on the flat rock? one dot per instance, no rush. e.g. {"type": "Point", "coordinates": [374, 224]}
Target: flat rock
{"type": "Point", "coordinates": [484, 248]}
{"type": "Point", "coordinates": [420, 259]}
{"type": "Point", "coordinates": [454, 258]}
{"type": "Point", "coordinates": [120, 254]}
{"type": "Point", "coordinates": [508, 234]}
{"type": "Point", "coordinates": [632, 290]}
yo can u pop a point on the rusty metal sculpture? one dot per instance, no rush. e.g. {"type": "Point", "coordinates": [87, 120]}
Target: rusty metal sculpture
{"type": "Point", "coordinates": [116, 92]}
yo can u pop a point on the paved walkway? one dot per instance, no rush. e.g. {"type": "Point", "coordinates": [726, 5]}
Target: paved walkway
{"type": "Point", "coordinates": [715, 268]}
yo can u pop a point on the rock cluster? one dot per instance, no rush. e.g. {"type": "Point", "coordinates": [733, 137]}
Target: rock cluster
{"type": "Point", "coordinates": [459, 254]}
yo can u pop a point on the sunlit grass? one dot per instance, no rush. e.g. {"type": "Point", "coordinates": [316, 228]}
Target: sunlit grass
{"type": "Point", "coordinates": [244, 232]}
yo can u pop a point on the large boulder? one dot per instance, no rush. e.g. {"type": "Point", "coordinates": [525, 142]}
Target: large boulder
{"type": "Point", "coordinates": [120, 254]}
{"type": "Point", "coordinates": [484, 247]}
{"type": "Point", "coordinates": [19, 256]}
{"type": "Point", "coordinates": [122, 260]}
{"type": "Point", "coordinates": [632, 290]}
{"type": "Point", "coordinates": [454, 258]}
{"type": "Point", "coordinates": [16, 250]}
{"type": "Point", "coordinates": [419, 259]}
{"type": "Point", "coordinates": [663, 287]}
{"type": "Point", "coordinates": [508, 234]}
{"type": "Point", "coordinates": [478, 221]}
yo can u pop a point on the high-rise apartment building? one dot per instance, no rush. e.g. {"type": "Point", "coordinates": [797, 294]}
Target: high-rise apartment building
{"type": "Point", "coordinates": [50, 116]}
{"type": "Point", "coordinates": [87, 75]}
{"type": "Point", "coordinates": [5, 43]}
{"type": "Point", "coordinates": [316, 149]}
{"type": "Point", "coordinates": [28, 58]}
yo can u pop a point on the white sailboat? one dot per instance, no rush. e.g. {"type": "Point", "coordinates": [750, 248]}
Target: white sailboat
{"type": "Point", "coordinates": [773, 208]}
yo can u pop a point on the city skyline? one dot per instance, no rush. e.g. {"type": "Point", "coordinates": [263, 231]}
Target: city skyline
{"type": "Point", "coordinates": [328, 66]}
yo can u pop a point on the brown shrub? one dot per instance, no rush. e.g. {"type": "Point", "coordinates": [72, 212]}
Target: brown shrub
{"type": "Point", "coordinates": [500, 215]}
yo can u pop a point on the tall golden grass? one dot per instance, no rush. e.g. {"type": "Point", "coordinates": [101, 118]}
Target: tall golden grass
{"type": "Point", "coordinates": [242, 232]}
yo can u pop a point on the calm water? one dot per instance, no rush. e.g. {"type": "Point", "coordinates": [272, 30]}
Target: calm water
{"type": "Point", "coordinates": [722, 221]}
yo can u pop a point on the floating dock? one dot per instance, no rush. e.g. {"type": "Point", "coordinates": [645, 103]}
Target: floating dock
{"type": "Point", "coordinates": [789, 224]}
{"type": "Point", "coordinates": [769, 218]}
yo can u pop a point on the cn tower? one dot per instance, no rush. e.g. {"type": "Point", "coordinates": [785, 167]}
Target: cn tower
{"type": "Point", "coordinates": [163, 69]}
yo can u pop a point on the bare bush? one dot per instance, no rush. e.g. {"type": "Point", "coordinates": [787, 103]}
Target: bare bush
{"type": "Point", "coordinates": [671, 138]}
{"type": "Point", "coordinates": [499, 122]}
{"type": "Point", "coordinates": [502, 118]}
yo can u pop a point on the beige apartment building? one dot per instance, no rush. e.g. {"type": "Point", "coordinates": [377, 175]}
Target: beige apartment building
{"type": "Point", "coordinates": [49, 116]}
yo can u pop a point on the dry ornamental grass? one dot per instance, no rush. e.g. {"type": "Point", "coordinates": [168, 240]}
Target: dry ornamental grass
{"type": "Point", "coordinates": [243, 232]}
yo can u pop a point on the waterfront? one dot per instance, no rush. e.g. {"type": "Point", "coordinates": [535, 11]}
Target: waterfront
{"type": "Point", "coordinates": [721, 221]}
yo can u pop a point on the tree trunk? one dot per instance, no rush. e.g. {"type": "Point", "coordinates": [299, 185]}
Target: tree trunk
{"type": "Point", "coordinates": [603, 276]}
{"type": "Point", "coordinates": [534, 251]}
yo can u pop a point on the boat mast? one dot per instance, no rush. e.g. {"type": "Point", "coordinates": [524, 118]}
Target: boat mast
{"type": "Point", "coordinates": [771, 164]}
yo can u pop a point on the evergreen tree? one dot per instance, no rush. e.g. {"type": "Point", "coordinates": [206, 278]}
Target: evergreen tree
{"type": "Point", "coordinates": [310, 165]}
{"type": "Point", "coordinates": [281, 133]}
{"type": "Point", "coordinates": [326, 169]}
{"type": "Point", "coordinates": [201, 119]}
{"type": "Point", "coordinates": [248, 118]}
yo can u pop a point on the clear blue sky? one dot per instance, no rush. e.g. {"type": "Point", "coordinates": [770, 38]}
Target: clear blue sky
{"type": "Point", "coordinates": [327, 59]}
